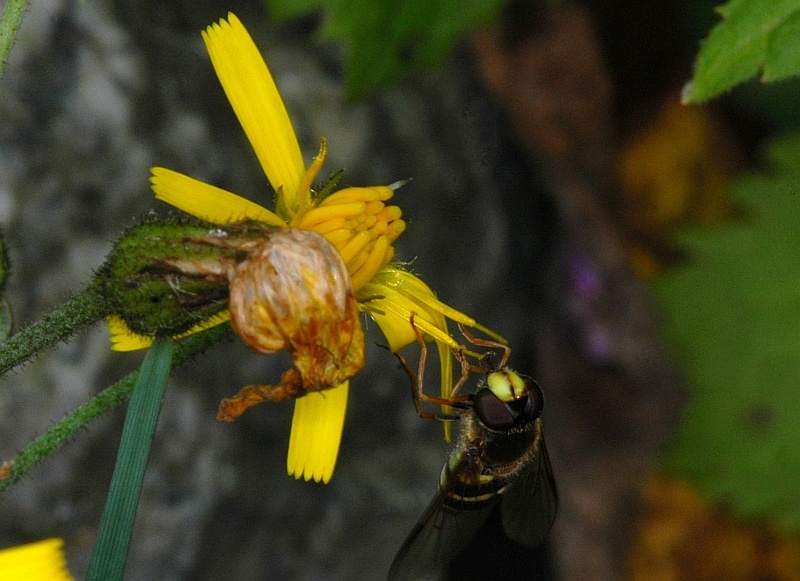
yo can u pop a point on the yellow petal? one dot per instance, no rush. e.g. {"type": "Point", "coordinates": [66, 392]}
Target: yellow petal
{"type": "Point", "coordinates": [392, 310]}
{"type": "Point", "coordinates": [258, 105]}
{"type": "Point", "coordinates": [411, 285]}
{"type": "Point", "coordinates": [446, 385]}
{"type": "Point", "coordinates": [316, 433]}
{"type": "Point", "coordinates": [396, 295]}
{"type": "Point", "coordinates": [205, 201]}
{"type": "Point", "coordinates": [39, 561]}
{"type": "Point", "coordinates": [123, 339]}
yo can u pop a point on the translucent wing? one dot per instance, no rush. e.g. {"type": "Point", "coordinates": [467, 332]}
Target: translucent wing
{"type": "Point", "coordinates": [444, 529]}
{"type": "Point", "coordinates": [530, 504]}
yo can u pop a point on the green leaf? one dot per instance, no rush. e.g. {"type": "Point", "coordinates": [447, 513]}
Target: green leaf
{"type": "Point", "coordinates": [386, 39]}
{"type": "Point", "coordinates": [734, 316]}
{"type": "Point", "coordinates": [783, 50]}
{"type": "Point", "coordinates": [9, 24]}
{"type": "Point", "coordinates": [116, 527]}
{"type": "Point", "coordinates": [282, 9]}
{"type": "Point", "coordinates": [753, 36]}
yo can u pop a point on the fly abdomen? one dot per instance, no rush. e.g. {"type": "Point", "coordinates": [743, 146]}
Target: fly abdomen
{"type": "Point", "coordinates": [465, 486]}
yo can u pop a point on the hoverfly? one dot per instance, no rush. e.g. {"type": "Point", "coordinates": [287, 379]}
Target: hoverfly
{"type": "Point", "coordinates": [499, 462]}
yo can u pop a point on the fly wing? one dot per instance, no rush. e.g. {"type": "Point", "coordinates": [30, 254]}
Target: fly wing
{"type": "Point", "coordinates": [530, 504]}
{"type": "Point", "coordinates": [437, 539]}
{"type": "Point", "coordinates": [441, 534]}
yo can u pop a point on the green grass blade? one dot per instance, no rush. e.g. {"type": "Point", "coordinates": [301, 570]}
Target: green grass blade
{"type": "Point", "coordinates": [113, 539]}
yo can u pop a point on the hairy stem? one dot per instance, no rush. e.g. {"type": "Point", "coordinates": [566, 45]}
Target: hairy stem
{"type": "Point", "coordinates": [112, 396]}
{"type": "Point", "coordinates": [85, 308]}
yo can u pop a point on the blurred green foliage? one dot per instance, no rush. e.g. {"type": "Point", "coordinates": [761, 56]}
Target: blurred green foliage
{"type": "Point", "coordinates": [387, 39]}
{"type": "Point", "coordinates": [733, 314]}
{"type": "Point", "coordinates": [754, 36]}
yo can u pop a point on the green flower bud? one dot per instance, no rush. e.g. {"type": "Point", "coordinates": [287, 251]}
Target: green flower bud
{"type": "Point", "coordinates": [163, 276]}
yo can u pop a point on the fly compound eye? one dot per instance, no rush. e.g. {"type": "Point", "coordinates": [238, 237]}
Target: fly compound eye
{"type": "Point", "coordinates": [534, 403]}
{"type": "Point", "coordinates": [510, 399]}
{"type": "Point", "coordinates": [492, 411]}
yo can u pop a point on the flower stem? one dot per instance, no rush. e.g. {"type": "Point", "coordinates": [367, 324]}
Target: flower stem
{"type": "Point", "coordinates": [85, 308]}
{"type": "Point", "coordinates": [9, 24]}
{"type": "Point", "coordinates": [112, 396]}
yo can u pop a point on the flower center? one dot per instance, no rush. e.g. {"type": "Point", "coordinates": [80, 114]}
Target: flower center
{"type": "Point", "coordinates": [361, 227]}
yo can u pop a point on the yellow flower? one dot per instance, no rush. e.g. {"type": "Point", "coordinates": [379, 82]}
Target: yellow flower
{"type": "Point", "coordinates": [356, 221]}
{"type": "Point", "coordinates": [42, 560]}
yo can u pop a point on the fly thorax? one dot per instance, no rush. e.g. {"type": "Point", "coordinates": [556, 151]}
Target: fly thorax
{"type": "Point", "coordinates": [503, 449]}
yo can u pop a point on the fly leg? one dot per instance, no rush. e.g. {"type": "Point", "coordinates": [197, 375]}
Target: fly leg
{"type": "Point", "coordinates": [418, 381]}
{"type": "Point", "coordinates": [487, 343]}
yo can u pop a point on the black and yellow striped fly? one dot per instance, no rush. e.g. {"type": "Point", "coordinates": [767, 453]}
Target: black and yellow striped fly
{"type": "Point", "coordinates": [499, 463]}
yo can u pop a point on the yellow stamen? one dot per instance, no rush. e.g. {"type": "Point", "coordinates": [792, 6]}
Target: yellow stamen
{"type": "Point", "coordinates": [380, 228]}
{"type": "Point", "coordinates": [391, 213]}
{"type": "Point", "coordinates": [380, 193]}
{"type": "Point", "coordinates": [374, 262]}
{"type": "Point", "coordinates": [374, 207]}
{"type": "Point", "coordinates": [339, 237]}
{"type": "Point", "coordinates": [394, 229]}
{"type": "Point", "coordinates": [354, 246]}
{"type": "Point", "coordinates": [324, 228]}
{"type": "Point", "coordinates": [322, 214]}
{"type": "Point", "coordinates": [369, 221]}
{"type": "Point", "coordinates": [358, 261]}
